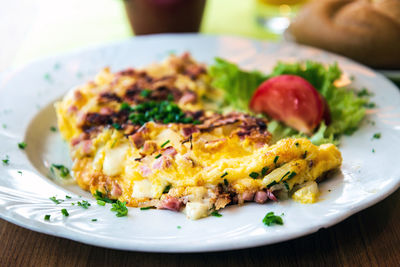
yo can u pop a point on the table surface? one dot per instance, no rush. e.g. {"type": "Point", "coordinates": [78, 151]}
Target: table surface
{"type": "Point", "coordinates": [44, 27]}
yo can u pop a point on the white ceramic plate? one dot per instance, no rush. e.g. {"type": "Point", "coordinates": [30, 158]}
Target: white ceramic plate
{"type": "Point", "coordinates": [26, 99]}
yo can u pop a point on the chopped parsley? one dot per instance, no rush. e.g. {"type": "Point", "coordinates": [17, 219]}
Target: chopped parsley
{"type": "Point", "coordinates": [120, 208]}
{"type": "Point", "coordinates": [61, 170]}
{"type": "Point", "coordinates": [22, 145]}
{"type": "Point", "coordinates": [53, 129]}
{"type": "Point", "coordinates": [145, 93]}
{"type": "Point", "coordinates": [6, 161]}
{"type": "Point", "coordinates": [291, 175]}
{"type": "Point", "coordinates": [65, 212]}
{"type": "Point", "coordinates": [276, 159]}
{"type": "Point", "coordinates": [165, 143]}
{"type": "Point", "coordinates": [145, 208]}
{"type": "Point", "coordinates": [84, 204]}
{"type": "Point", "coordinates": [254, 175]}
{"type": "Point", "coordinates": [166, 189]}
{"type": "Point", "coordinates": [216, 214]}
{"type": "Point", "coordinates": [94, 220]}
{"type": "Point", "coordinates": [47, 217]}
{"type": "Point", "coordinates": [271, 219]}
{"type": "Point", "coordinates": [99, 196]}
{"type": "Point", "coordinates": [225, 174]}
{"type": "Point", "coordinates": [377, 136]}
{"type": "Point", "coordinates": [67, 197]}
{"type": "Point", "coordinates": [264, 171]}
{"type": "Point", "coordinates": [159, 155]}
{"type": "Point", "coordinates": [55, 200]}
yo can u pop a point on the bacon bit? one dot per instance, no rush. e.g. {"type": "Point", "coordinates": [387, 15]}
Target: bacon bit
{"type": "Point", "coordinates": [116, 190]}
{"type": "Point", "coordinates": [163, 162]}
{"type": "Point", "coordinates": [137, 139]}
{"type": "Point", "coordinates": [78, 139]}
{"type": "Point", "coordinates": [106, 111]}
{"type": "Point", "coordinates": [188, 97]}
{"type": "Point", "coordinates": [271, 196]}
{"type": "Point", "coordinates": [107, 97]}
{"type": "Point", "coordinates": [248, 196]}
{"type": "Point", "coordinates": [126, 72]}
{"type": "Point", "coordinates": [78, 95]}
{"type": "Point", "coordinates": [87, 146]}
{"type": "Point", "coordinates": [261, 197]}
{"type": "Point", "coordinates": [72, 109]}
{"type": "Point", "coordinates": [188, 131]}
{"type": "Point", "coordinates": [149, 147]}
{"type": "Point", "coordinates": [146, 171]}
{"type": "Point", "coordinates": [169, 151]}
{"type": "Point", "coordinates": [170, 203]}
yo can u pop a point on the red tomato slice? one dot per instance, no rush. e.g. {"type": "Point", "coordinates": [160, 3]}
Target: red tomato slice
{"type": "Point", "coordinates": [292, 100]}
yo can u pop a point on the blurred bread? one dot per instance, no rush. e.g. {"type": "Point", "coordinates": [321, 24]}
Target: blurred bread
{"type": "Point", "coordinates": [367, 31]}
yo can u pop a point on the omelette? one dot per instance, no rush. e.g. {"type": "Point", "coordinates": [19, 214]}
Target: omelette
{"type": "Point", "coordinates": [156, 137]}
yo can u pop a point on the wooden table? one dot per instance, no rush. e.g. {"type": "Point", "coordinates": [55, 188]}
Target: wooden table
{"type": "Point", "coordinates": [369, 238]}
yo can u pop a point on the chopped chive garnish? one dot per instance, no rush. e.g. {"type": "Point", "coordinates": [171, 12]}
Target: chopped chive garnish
{"type": "Point", "coordinates": [145, 208]}
{"type": "Point", "coordinates": [159, 155]}
{"type": "Point", "coordinates": [67, 197]}
{"type": "Point", "coordinates": [284, 176]}
{"type": "Point", "coordinates": [145, 93]}
{"type": "Point", "coordinates": [99, 196]}
{"type": "Point", "coordinates": [296, 144]}
{"type": "Point", "coordinates": [116, 126]}
{"type": "Point", "coordinates": [53, 129]}
{"type": "Point", "coordinates": [291, 175]}
{"type": "Point", "coordinates": [276, 159]}
{"type": "Point", "coordinates": [125, 106]}
{"type": "Point", "coordinates": [271, 219]}
{"type": "Point", "coordinates": [272, 184]}
{"type": "Point", "coordinates": [370, 105]}
{"type": "Point", "coordinates": [226, 183]}
{"type": "Point", "coordinates": [225, 174]}
{"type": "Point", "coordinates": [55, 200]}
{"type": "Point", "coordinates": [20, 172]}
{"type": "Point", "coordinates": [286, 185]}
{"type": "Point", "coordinates": [101, 202]}
{"type": "Point", "coordinates": [166, 189]}
{"type": "Point", "coordinates": [373, 150]}
{"type": "Point", "coordinates": [178, 227]}
{"type": "Point", "coordinates": [305, 154]}
{"type": "Point", "coordinates": [376, 136]}
{"type": "Point", "coordinates": [64, 212]}
{"type": "Point", "coordinates": [264, 171]}
{"type": "Point", "coordinates": [120, 208]}
{"type": "Point", "coordinates": [216, 214]}
{"type": "Point", "coordinates": [94, 220]}
{"type": "Point", "coordinates": [6, 161]}
{"type": "Point", "coordinates": [22, 145]}
{"type": "Point", "coordinates": [47, 217]}
{"type": "Point", "coordinates": [4, 126]}
{"type": "Point", "coordinates": [62, 170]}
{"type": "Point", "coordinates": [84, 204]}
{"type": "Point", "coordinates": [166, 142]}
{"type": "Point", "coordinates": [254, 175]}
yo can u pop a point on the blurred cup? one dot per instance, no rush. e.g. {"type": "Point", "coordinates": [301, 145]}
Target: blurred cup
{"type": "Point", "coordinates": [162, 16]}
{"type": "Point", "coordinates": [275, 15]}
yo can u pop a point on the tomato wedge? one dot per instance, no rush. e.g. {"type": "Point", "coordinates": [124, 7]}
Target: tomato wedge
{"type": "Point", "coordinates": [292, 100]}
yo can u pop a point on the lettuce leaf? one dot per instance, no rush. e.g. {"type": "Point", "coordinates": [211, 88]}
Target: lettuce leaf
{"type": "Point", "coordinates": [238, 85]}
{"type": "Point", "coordinates": [346, 107]}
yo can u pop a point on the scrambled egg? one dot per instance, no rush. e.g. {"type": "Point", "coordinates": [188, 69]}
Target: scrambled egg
{"type": "Point", "coordinates": [193, 159]}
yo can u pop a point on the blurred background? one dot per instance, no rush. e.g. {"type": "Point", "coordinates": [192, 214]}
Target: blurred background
{"type": "Point", "coordinates": [367, 31]}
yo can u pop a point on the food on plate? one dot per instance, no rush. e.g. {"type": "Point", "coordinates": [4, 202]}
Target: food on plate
{"type": "Point", "coordinates": [162, 137]}
{"type": "Point", "coordinates": [367, 31]}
